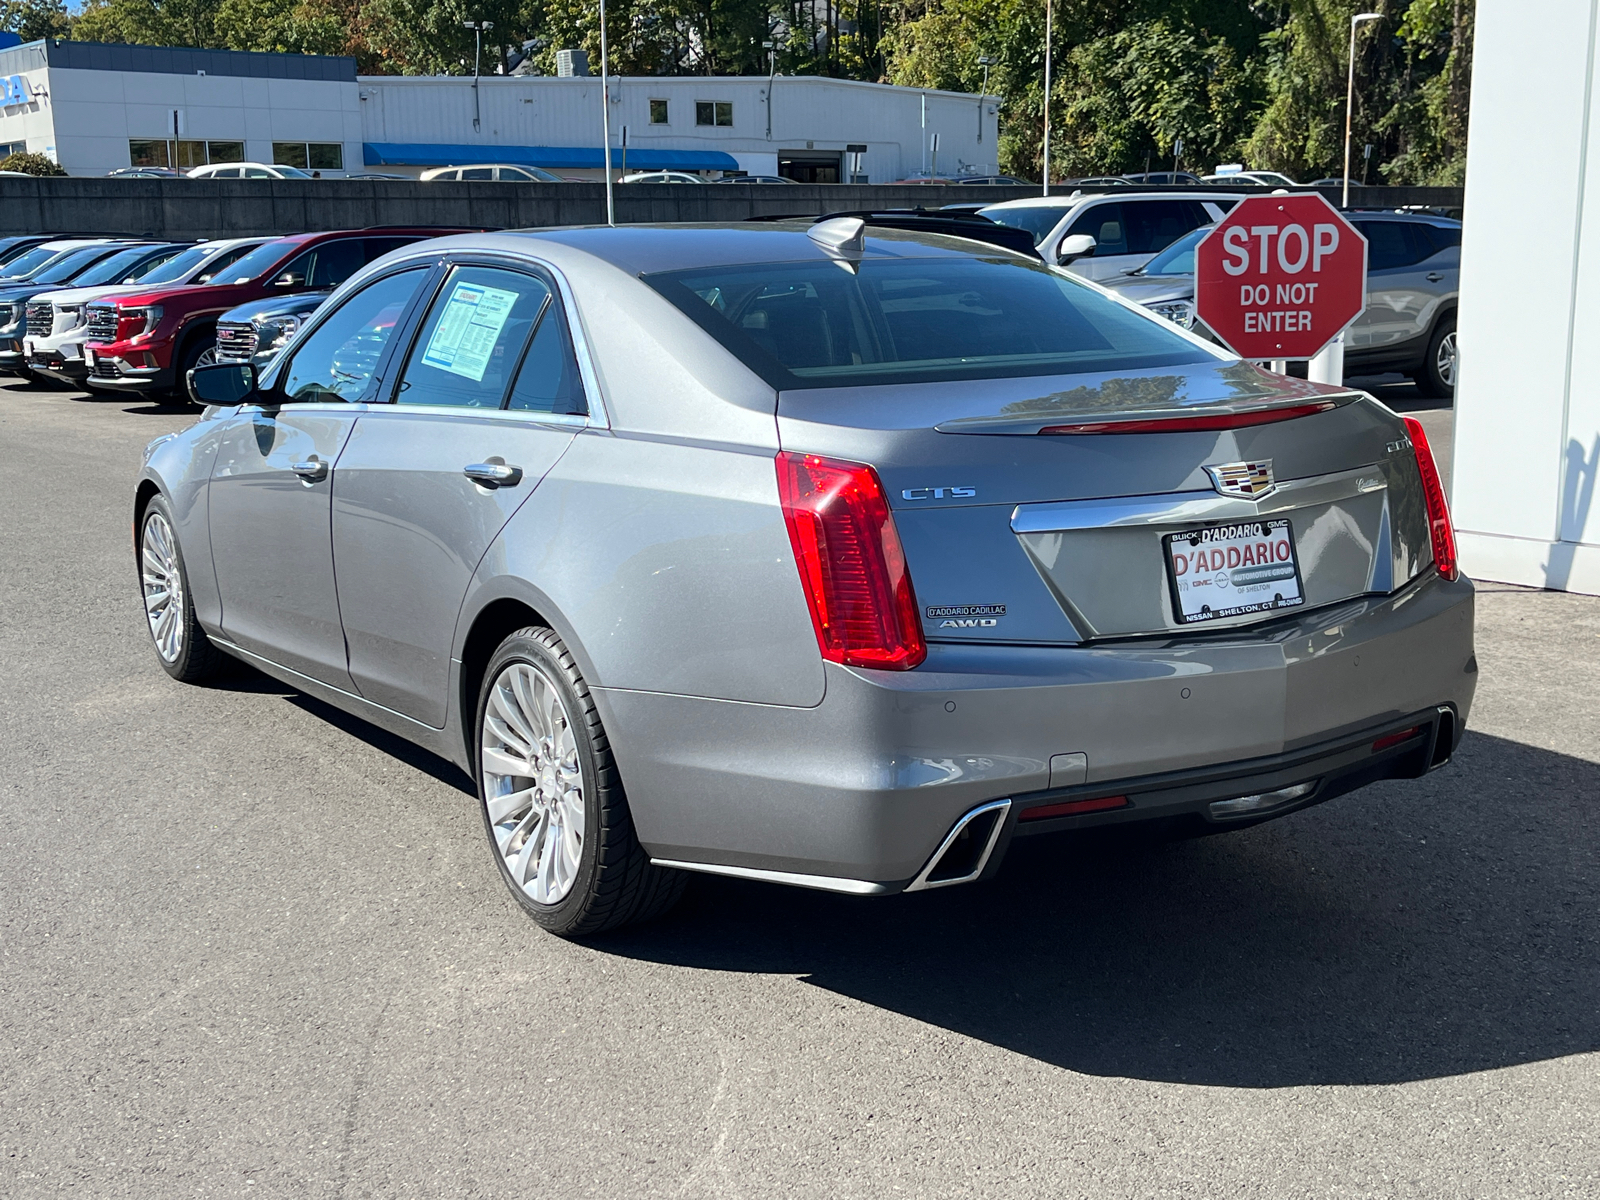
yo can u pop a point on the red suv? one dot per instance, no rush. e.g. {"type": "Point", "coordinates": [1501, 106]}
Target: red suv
{"type": "Point", "coordinates": [149, 341]}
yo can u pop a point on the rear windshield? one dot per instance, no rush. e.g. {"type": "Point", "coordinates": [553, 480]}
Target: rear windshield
{"type": "Point", "coordinates": [835, 324]}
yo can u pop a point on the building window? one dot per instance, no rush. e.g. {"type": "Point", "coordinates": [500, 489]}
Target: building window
{"type": "Point", "coordinates": [181, 155]}
{"type": "Point", "coordinates": [7, 149]}
{"type": "Point", "coordinates": [309, 156]}
{"type": "Point", "coordinates": [719, 112]}
{"type": "Point", "coordinates": [658, 112]}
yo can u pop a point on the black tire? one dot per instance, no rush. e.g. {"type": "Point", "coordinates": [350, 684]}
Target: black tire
{"type": "Point", "coordinates": [615, 882]}
{"type": "Point", "coordinates": [197, 659]}
{"type": "Point", "coordinates": [1432, 380]}
{"type": "Point", "coordinates": [188, 358]}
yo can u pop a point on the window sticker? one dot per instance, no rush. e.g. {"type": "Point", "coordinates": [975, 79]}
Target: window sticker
{"type": "Point", "coordinates": [467, 332]}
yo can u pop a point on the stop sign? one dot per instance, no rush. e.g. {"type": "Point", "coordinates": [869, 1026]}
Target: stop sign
{"type": "Point", "coordinates": [1280, 276]}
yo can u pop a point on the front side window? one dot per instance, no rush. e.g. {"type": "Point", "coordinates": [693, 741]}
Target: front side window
{"type": "Point", "coordinates": [1103, 223]}
{"type": "Point", "coordinates": [811, 324]}
{"type": "Point", "coordinates": [255, 264]}
{"type": "Point", "coordinates": [1152, 225]}
{"type": "Point", "coordinates": [326, 266]}
{"type": "Point", "coordinates": [472, 339]}
{"type": "Point", "coordinates": [478, 173]}
{"type": "Point", "coordinates": [338, 360]}
{"type": "Point", "coordinates": [658, 112]}
{"type": "Point", "coordinates": [1037, 219]}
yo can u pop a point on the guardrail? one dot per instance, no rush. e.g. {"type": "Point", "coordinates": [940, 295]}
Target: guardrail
{"type": "Point", "coordinates": [183, 209]}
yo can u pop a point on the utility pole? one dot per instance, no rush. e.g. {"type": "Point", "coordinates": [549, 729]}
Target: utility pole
{"type": "Point", "coordinates": [1048, 31]}
{"type": "Point", "coordinates": [479, 28]}
{"type": "Point", "coordinates": [983, 94]}
{"type": "Point", "coordinates": [1350, 99]}
{"type": "Point", "coordinates": [772, 74]}
{"type": "Point", "coordinates": [605, 114]}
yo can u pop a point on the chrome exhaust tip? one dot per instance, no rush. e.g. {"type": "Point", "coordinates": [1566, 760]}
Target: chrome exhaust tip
{"type": "Point", "coordinates": [966, 849]}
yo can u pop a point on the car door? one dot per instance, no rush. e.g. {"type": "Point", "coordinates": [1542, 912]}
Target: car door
{"type": "Point", "coordinates": [487, 400]}
{"type": "Point", "coordinates": [272, 480]}
{"type": "Point", "coordinates": [1399, 292]}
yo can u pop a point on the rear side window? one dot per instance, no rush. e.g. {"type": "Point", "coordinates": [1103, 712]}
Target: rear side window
{"type": "Point", "coordinates": [817, 324]}
{"type": "Point", "coordinates": [1438, 237]}
{"type": "Point", "coordinates": [1392, 244]}
{"type": "Point", "coordinates": [478, 173]}
{"type": "Point", "coordinates": [547, 381]}
{"type": "Point", "coordinates": [473, 338]}
{"type": "Point", "coordinates": [376, 248]}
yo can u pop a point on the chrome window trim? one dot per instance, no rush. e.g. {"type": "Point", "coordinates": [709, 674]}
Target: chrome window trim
{"type": "Point", "coordinates": [1184, 508]}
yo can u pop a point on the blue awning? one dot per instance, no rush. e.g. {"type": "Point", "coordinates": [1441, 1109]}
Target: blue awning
{"type": "Point", "coordinates": [640, 158]}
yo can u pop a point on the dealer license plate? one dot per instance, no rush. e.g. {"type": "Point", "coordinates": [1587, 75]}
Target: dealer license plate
{"type": "Point", "coordinates": [1228, 570]}
{"type": "Point", "coordinates": [88, 356]}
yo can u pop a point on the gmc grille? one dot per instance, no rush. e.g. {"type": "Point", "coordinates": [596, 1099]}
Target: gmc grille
{"type": "Point", "coordinates": [101, 325]}
{"type": "Point", "coordinates": [235, 342]}
{"type": "Point", "coordinates": [41, 319]}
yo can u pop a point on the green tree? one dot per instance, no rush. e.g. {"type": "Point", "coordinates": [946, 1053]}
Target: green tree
{"type": "Point", "coordinates": [31, 164]}
{"type": "Point", "coordinates": [34, 19]}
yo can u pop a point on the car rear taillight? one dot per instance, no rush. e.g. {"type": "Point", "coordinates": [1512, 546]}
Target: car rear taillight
{"type": "Point", "coordinates": [1439, 527]}
{"type": "Point", "coordinates": [851, 563]}
{"type": "Point", "coordinates": [1199, 424]}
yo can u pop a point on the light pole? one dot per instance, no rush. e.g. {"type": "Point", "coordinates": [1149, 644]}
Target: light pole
{"type": "Point", "coordinates": [985, 62]}
{"type": "Point", "coordinates": [1047, 32]}
{"type": "Point", "coordinates": [479, 28]}
{"type": "Point", "coordinates": [1350, 98]}
{"type": "Point", "coordinates": [605, 114]}
{"type": "Point", "coordinates": [772, 74]}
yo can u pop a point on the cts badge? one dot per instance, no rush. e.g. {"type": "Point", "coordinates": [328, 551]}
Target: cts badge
{"type": "Point", "coordinates": [939, 493]}
{"type": "Point", "coordinates": [1247, 480]}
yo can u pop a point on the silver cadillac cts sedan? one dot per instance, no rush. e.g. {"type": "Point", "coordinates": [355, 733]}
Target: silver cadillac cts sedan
{"type": "Point", "coordinates": [820, 553]}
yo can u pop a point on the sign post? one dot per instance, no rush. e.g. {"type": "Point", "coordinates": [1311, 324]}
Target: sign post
{"type": "Point", "coordinates": [1281, 277]}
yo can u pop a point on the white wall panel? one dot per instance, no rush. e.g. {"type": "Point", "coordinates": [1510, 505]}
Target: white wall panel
{"type": "Point", "coordinates": [1527, 435]}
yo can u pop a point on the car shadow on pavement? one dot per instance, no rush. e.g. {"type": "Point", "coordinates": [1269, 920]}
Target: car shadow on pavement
{"type": "Point", "coordinates": [1409, 931]}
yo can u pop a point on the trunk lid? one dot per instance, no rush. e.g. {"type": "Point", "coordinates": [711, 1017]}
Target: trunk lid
{"type": "Point", "coordinates": [1016, 536]}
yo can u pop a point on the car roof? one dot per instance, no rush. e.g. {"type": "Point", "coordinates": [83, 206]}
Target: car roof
{"type": "Point", "coordinates": [647, 249]}
{"type": "Point", "coordinates": [1369, 214]}
{"type": "Point", "coordinates": [1121, 197]}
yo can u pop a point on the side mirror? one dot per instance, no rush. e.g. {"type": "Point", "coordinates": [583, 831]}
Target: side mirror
{"type": "Point", "coordinates": [1079, 245]}
{"type": "Point", "coordinates": [289, 279]}
{"type": "Point", "coordinates": [222, 384]}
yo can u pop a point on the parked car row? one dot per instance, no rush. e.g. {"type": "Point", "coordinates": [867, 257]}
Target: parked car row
{"type": "Point", "coordinates": [115, 314]}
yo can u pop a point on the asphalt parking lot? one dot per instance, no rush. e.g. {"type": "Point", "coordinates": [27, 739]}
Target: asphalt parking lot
{"type": "Point", "coordinates": [250, 946]}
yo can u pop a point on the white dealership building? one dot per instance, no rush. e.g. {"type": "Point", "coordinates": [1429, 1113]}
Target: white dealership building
{"type": "Point", "coordinates": [95, 108]}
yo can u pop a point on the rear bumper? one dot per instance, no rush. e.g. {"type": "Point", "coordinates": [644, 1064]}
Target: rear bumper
{"type": "Point", "coordinates": [865, 787]}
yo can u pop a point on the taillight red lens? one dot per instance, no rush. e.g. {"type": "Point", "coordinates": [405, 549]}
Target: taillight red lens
{"type": "Point", "coordinates": [851, 563]}
{"type": "Point", "coordinates": [1198, 424]}
{"type": "Point", "coordinates": [1072, 808]}
{"type": "Point", "coordinates": [1439, 527]}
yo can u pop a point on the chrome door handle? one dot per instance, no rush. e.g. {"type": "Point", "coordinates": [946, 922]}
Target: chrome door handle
{"type": "Point", "coordinates": [494, 473]}
{"type": "Point", "coordinates": [1434, 276]}
{"type": "Point", "coordinates": [311, 470]}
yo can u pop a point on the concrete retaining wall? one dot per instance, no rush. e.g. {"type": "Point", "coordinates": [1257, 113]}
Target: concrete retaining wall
{"type": "Point", "coordinates": [182, 209]}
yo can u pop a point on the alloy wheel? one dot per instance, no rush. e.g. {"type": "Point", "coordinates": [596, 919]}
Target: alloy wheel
{"type": "Point", "coordinates": [533, 785]}
{"type": "Point", "coordinates": [163, 586]}
{"type": "Point", "coordinates": [1445, 359]}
